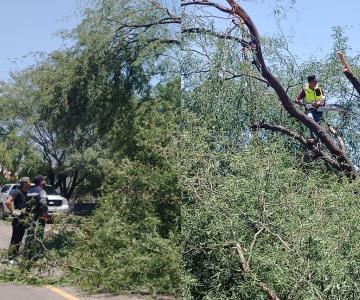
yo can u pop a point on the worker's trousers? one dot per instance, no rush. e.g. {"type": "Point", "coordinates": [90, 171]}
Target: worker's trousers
{"type": "Point", "coordinates": [18, 231]}
{"type": "Point", "coordinates": [316, 116]}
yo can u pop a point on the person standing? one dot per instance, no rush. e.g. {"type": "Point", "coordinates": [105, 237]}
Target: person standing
{"type": "Point", "coordinates": [15, 202]}
{"type": "Point", "coordinates": [36, 206]}
{"type": "Point", "coordinates": [312, 97]}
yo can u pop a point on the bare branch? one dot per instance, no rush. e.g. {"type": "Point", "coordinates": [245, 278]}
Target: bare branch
{"type": "Point", "coordinates": [164, 21]}
{"type": "Point", "coordinates": [216, 34]}
{"type": "Point", "coordinates": [243, 261]}
{"type": "Point", "coordinates": [244, 265]}
{"type": "Point", "coordinates": [343, 61]}
{"type": "Point", "coordinates": [271, 293]}
{"type": "Point", "coordinates": [233, 76]}
{"type": "Point", "coordinates": [335, 132]}
{"type": "Point", "coordinates": [208, 3]}
{"type": "Point", "coordinates": [253, 244]}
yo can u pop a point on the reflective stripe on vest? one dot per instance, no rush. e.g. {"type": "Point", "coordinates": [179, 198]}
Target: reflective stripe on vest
{"type": "Point", "coordinates": [310, 95]}
{"type": "Point", "coordinates": [30, 195]}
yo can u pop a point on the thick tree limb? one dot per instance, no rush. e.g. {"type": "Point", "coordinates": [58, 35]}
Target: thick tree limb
{"type": "Point", "coordinates": [282, 129]}
{"type": "Point", "coordinates": [354, 81]}
{"type": "Point", "coordinates": [348, 73]}
{"type": "Point", "coordinates": [307, 143]}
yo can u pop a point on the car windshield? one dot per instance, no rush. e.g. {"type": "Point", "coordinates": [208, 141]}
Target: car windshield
{"type": "Point", "coordinates": [15, 187]}
{"type": "Point", "coordinates": [51, 190]}
{"type": "Point", "coordinates": [6, 188]}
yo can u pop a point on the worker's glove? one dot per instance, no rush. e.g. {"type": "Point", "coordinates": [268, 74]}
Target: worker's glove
{"type": "Point", "coordinates": [17, 213]}
{"type": "Point", "coordinates": [317, 104]}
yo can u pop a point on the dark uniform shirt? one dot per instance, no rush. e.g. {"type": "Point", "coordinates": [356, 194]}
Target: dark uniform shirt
{"type": "Point", "coordinates": [36, 201]}
{"type": "Point", "coordinates": [19, 197]}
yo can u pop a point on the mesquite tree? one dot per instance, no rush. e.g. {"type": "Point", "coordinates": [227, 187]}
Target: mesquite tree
{"type": "Point", "coordinates": [251, 42]}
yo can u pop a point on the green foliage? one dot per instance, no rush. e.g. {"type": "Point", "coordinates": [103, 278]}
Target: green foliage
{"type": "Point", "coordinates": [93, 116]}
{"type": "Point", "coordinates": [308, 217]}
{"type": "Point", "coordinates": [93, 124]}
{"type": "Point", "coordinates": [122, 243]}
{"type": "Point", "coordinates": [294, 219]}
{"type": "Point", "coordinates": [131, 242]}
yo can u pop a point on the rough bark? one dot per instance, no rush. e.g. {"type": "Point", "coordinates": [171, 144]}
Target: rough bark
{"type": "Point", "coordinates": [354, 81]}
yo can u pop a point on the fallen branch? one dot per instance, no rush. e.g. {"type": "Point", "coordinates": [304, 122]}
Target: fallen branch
{"type": "Point", "coordinates": [251, 223]}
{"type": "Point", "coordinates": [245, 267]}
{"type": "Point", "coordinates": [253, 244]}
{"type": "Point", "coordinates": [244, 264]}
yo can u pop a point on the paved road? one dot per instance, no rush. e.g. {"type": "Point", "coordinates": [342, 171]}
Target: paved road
{"type": "Point", "coordinates": [5, 235]}
{"type": "Point", "coordinates": [11, 291]}
{"type": "Point", "coordinates": [16, 292]}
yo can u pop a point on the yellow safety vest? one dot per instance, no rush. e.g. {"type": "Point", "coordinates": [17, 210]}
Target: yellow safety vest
{"type": "Point", "coordinates": [313, 95]}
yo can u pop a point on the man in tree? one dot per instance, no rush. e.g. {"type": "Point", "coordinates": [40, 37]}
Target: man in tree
{"type": "Point", "coordinates": [312, 97]}
{"type": "Point", "coordinates": [16, 204]}
{"type": "Point", "coordinates": [36, 204]}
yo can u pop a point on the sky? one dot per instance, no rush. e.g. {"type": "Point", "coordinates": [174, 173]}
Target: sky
{"type": "Point", "coordinates": [30, 26]}
{"type": "Point", "coordinates": [309, 23]}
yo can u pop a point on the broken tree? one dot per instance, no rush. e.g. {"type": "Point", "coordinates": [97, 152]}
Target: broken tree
{"type": "Point", "coordinates": [335, 155]}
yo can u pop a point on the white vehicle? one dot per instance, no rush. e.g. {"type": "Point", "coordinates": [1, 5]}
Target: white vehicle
{"type": "Point", "coordinates": [57, 204]}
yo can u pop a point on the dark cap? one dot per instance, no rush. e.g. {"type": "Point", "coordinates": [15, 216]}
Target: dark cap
{"type": "Point", "coordinates": [311, 78]}
{"type": "Point", "coordinates": [38, 179]}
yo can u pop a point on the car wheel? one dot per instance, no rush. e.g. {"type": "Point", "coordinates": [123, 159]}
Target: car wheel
{"type": "Point", "coordinates": [2, 212]}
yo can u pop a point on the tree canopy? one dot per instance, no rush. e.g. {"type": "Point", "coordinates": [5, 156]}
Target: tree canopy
{"type": "Point", "coordinates": [183, 128]}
